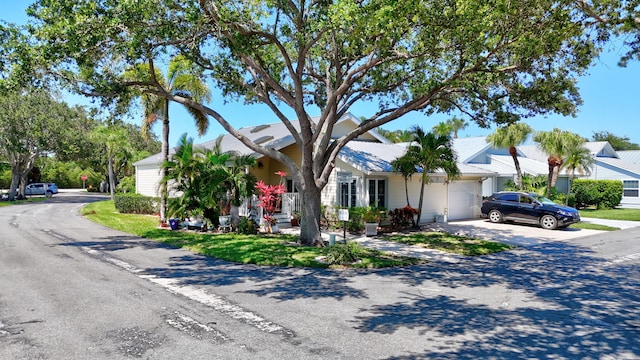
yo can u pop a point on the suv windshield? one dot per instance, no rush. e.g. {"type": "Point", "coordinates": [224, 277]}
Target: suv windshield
{"type": "Point", "coordinates": [543, 199]}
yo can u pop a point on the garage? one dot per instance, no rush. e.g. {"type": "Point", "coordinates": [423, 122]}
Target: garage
{"type": "Point", "coordinates": [464, 202]}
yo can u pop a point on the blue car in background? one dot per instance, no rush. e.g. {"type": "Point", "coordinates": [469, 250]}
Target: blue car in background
{"type": "Point", "coordinates": [46, 189]}
{"type": "Point", "coordinates": [528, 208]}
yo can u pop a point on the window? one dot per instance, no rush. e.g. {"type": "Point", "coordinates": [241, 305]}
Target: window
{"type": "Point", "coordinates": [291, 188]}
{"type": "Point", "coordinates": [630, 188]}
{"type": "Point", "coordinates": [507, 197]}
{"type": "Point", "coordinates": [524, 199]}
{"type": "Point", "coordinates": [378, 192]}
{"type": "Point", "coordinates": [348, 193]}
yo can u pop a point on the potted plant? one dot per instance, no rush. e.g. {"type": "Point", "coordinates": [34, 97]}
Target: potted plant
{"type": "Point", "coordinates": [371, 219]}
{"type": "Point", "coordinates": [295, 219]}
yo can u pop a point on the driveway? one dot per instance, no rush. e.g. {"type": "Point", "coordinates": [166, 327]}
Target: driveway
{"type": "Point", "coordinates": [510, 233]}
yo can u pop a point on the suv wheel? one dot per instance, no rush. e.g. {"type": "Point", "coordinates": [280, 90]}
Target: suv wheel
{"type": "Point", "coordinates": [548, 222]}
{"type": "Point", "coordinates": [495, 216]}
{"type": "Point", "coordinates": [48, 194]}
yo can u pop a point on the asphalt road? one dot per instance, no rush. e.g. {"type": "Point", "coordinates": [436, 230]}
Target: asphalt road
{"type": "Point", "coordinates": [70, 289]}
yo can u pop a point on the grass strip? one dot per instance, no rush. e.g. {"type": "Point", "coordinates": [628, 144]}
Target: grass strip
{"type": "Point", "coordinates": [450, 243]}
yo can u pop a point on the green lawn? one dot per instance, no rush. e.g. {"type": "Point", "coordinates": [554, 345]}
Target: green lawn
{"type": "Point", "coordinates": [612, 214]}
{"type": "Point", "coordinates": [583, 225]}
{"type": "Point", "coordinates": [450, 243]}
{"type": "Point", "coordinates": [274, 250]}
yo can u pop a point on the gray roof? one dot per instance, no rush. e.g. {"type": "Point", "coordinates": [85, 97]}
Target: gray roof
{"type": "Point", "coordinates": [468, 148]}
{"type": "Point", "coordinates": [632, 156]}
{"type": "Point", "coordinates": [269, 135]}
{"type": "Point", "coordinates": [621, 164]}
{"type": "Point", "coordinates": [375, 157]}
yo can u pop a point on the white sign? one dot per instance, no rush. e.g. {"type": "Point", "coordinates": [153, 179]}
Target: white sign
{"type": "Point", "coordinates": [345, 176]}
{"type": "Point", "coordinates": [343, 214]}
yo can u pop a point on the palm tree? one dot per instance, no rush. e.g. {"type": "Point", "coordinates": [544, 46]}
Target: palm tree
{"type": "Point", "coordinates": [225, 175]}
{"type": "Point", "coordinates": [442, 129]}
{"type": "Point", "coordinates": [511, 136]}
{"type": "Point", "coordinates": [556, 144]}
{"type": "Point", "coordinates": [578, 159]}
{"type": "Point", "coordinates": [183, 79]}
{"type": "Point", "coordinates": [114, 139]}
{"type": "Point", "coordinates": [449, 127]}
{"type": "Point", "coordinates": [431, 152]}
{"type": "Point", "coordinates": [183, 173]}
{"type": "Point", "coordinates": [456, 125]}
{"type": "Point", "coordinates": [405, 166]}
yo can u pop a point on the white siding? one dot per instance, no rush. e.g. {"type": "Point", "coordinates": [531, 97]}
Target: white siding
{"type": "Point", "coordinates": [147, 180]}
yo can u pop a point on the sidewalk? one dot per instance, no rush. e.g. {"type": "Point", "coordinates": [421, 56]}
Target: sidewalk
{"type": "Point", "coordinates": [622, 224]}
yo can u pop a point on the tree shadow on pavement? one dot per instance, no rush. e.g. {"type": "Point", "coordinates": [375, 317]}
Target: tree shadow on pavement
{"type": "Point", "coordinates": [557, 301]}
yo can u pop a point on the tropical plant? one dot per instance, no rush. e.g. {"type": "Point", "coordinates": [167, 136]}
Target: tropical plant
{"type": "Point", "coordinates": [578, 159]}
{"type": "Point", "coordinates": [183, 177]}
{"type": "Point", "coordinates": [430, 153]}
{"type": "Point", "coordinates": [511, 136]}
{"type": "Point", "coordinates": [450, 127]}
{"type": "Point", "coordinates": [113, 139]}
{"type": "Point", "coordinates": [184, 79]}
{"type": "Point", "coordinates": [556, 144]}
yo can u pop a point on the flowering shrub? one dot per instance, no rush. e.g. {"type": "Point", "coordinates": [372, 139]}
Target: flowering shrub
{"type": "Point", "coordinates": [270, 197]}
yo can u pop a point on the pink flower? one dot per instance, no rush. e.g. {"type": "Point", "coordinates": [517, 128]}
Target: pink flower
{"type": "Point", "coordinates": [281, 173]}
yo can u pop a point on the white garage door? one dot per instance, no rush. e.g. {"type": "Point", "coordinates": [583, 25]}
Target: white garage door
{"type": "Point", "coordinates": [463, 199]}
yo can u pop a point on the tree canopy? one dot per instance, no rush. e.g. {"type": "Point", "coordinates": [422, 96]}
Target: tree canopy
{"type": "Point", "coordinates": [617, 142]}
{"type": "Point", "coordinates": [493, 61]}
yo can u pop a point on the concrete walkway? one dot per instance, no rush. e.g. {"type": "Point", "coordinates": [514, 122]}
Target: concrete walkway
{"type": "Point", "coordinates": [622, 224]}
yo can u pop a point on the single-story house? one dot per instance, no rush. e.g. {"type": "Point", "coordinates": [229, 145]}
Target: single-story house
{"type": "Point", "coordinates": [363, 175]}
{"type": "Point", "coordinates": [608, 165]}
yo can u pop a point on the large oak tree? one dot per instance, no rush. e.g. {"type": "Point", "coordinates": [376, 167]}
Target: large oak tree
{"type": "Point", "coordinates": [493, 61]}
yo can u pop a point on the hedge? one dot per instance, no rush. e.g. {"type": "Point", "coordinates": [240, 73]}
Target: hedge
{"type": "Point", "coordinates": [136, 204]}
{"type": "Point", "coordinates": [603, 194]}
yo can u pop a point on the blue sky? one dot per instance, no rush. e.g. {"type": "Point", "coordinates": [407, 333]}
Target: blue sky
{"type": "Point", "coordinates": [610, 95]}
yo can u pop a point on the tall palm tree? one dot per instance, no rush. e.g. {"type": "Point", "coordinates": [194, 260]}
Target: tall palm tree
{"type": "Point", "coordinates": [450, 127]}
{"type": "Point", "coordinates": [555, 143]}
{"type": "Point", "coordinates": [114, 140]}
{"type": "Point", "coordinates": [405, 166]}
{"type": "Point", "coordinates": [456, 125]}
{"type": "Point", "coordinates": [511, 136]}
{"type": "Point", "coordinates": [578, 159]}
{"type": "Point", "coordinates": [431, 152]}
{"type": "Point", "coordinates": [184, 79]}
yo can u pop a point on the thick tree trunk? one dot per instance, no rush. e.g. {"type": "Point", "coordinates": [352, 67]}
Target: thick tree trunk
{"type": "Point", "coordinates": [310, 221]}
{"type": "Point", "coordinates": [554, 169]}
{"type": "Point", "coordinates": [15, 181]}
{"type": "Point", "coordinates": [516, 162]}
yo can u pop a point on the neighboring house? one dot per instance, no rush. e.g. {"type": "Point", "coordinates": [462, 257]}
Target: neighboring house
{"type": "Point", "coordinates": [608, 165]}
{"type": "Point", "coordinates": [363, 175]}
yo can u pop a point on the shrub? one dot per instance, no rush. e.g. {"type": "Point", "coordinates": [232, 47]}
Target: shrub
{"type": "Point", "coordinates": [344, 254]}
{"type": "Point", "coordinates": [127, 185]}
{"type": "Point", "coordinates": [603, 194]}
{"type": "Point", "coordinates": [247, 226]}
{"type": "Point", "coordinates": [136, 204]}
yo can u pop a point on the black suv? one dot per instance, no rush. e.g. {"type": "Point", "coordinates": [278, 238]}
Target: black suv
{"type": "Point", "coordinates": [528, 208]}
